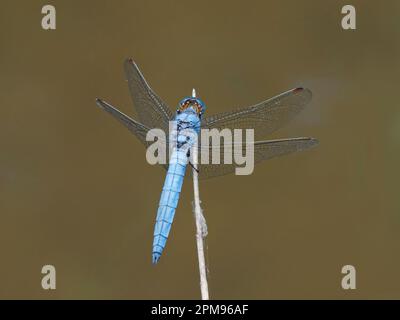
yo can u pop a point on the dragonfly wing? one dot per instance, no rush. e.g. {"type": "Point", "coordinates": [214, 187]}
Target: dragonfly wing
{"type": "Point", "coordinates": [151, 110]}
{"type": "Point", "coordinates": [263, 150]}
{"type": "Point", "coordinates": [138, 129]}
{"type": "Point", "coordinates": [264, 117]}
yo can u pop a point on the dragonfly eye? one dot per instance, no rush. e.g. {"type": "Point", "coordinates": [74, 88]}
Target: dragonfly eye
{"type": "Point", "coordinates": [191, 102]}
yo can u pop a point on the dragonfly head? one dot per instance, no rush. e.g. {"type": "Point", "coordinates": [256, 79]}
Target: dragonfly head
{"type": "Point", "coordinates": [195, 104]}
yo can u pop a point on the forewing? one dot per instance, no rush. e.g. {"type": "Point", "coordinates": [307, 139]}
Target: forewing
{"type": "Point", "coordinates": [263, 150]}
{"type": "Point", "coordinates": [264, 117]}
{"type": "Point", "coordinates": [151, 110]}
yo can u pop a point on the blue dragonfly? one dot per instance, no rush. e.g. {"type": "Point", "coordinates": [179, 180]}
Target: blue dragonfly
{"type": "Point", "coordinates": [152, 112]}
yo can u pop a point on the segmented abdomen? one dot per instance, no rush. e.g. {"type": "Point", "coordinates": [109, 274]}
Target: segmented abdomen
{"type": "Point", "coordinates": [169, 200]}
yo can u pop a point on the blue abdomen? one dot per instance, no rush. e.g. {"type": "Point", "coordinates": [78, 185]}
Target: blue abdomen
{"type": "Point", "coordinates": [169, 201]}
{"type": "Point", "coordinates": [174, 180]}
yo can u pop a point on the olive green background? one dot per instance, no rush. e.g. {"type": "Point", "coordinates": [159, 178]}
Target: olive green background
{"type": "Point", "coordinates": [76, 190]}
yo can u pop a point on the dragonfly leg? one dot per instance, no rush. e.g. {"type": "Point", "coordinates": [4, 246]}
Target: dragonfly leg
{"type": "Point", "coordinates": [193, 167]}
{"type": "Point", "coordinates": [191, 164]}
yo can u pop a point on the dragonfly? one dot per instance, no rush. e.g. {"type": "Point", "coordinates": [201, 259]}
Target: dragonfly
{"type": "Point", "coordinates": [152, 112]}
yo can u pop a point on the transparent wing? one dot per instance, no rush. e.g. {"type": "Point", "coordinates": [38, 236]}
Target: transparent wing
{"type": "Point", "coordinates": [264, 117]}
{"type": "Point", "coordinates": [138, 129]}
{"type": "Point", "coordinates": [135, 127]}
{"type": "Point", "coordinates": [263, 150]}
{"type": "Point", "coordinates": [151, 110]}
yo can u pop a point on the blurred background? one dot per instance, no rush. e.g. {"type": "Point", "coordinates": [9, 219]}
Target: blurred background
{"type": "Point", "coordinates": [76, 190]}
